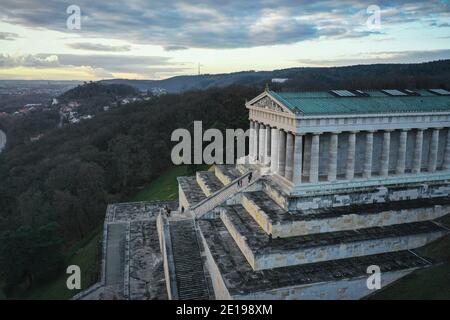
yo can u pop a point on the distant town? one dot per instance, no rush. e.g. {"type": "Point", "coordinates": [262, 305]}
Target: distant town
{"type": "Point", "coordinates": [22, 98]}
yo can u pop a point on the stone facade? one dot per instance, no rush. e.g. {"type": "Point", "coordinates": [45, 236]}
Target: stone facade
{"type": "Point", "coordinates": [354, 147]}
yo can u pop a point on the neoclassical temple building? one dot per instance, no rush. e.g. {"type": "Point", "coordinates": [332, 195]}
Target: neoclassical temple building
{"type": "Point", "coordinates": [336, 184]}
{"type": "Point", "coordinates": [316, 140]}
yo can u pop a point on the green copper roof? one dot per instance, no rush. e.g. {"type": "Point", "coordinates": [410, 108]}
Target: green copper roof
{"type": "Point", "coordinates": [324, 103]}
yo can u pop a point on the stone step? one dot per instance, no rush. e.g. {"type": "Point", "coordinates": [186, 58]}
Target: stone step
{"type": "Point", "coordinates": [278, 222]}
{"type": "Point", "coordinates": [338, 279]}
{"type": "Point", "coordinates": [208, 182]}
{"type": "Point", "coordinates": [263, 252]}
{"type": "Point", "coordinates": [226, 173]}
{"type": "Point", "coordinates": [190, 276]}
{"type": "Point", "coordinates": [276, 191]}
{"type": "Point", "coordinates": [190, 192]}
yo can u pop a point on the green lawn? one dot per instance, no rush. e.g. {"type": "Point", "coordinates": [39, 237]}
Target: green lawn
{"type": "Point", "coordinates": [165, 187]}
{"type": "Point", "coordinates": [87, 255]}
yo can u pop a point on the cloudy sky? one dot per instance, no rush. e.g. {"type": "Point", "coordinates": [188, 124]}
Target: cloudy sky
{"type": "Point", "coordinates": [145, 39]}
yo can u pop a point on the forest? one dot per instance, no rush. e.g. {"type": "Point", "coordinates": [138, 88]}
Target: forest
{"type": "Point", "coordinates": [54, 191]}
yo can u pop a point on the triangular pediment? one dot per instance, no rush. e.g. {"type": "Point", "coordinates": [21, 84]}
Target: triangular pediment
{"type": "Point", "coordinates": [267, 101]}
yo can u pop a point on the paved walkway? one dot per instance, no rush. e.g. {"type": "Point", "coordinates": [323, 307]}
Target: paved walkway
{"type": "Point", "coordinates": [133, 263]}
{"type": "Point", "coordinates": [115, 254]}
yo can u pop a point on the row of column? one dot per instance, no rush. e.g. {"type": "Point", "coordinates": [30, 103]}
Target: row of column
{"type": "Point", "coordinates": [287, 162]}
{"type": "Point", "coordinates": [385, 154]}
{"type": "Point", "coordinates": [280, 149]}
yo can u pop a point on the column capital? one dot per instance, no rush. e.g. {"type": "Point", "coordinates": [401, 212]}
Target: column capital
{"type": "Point", "coordinates": [388, 130]}
{"type": "Point", "coordinates": [406, 129]}
{"type": "Point", "coordinates": [354, 131]}
{"type": "Point", "coordinates": [370, 131]}
{"type": "Point", "coordinates": [335, 132]}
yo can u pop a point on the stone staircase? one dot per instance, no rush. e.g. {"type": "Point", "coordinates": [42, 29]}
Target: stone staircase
{"type": "Point", "coordinates": [190, 277]}
{"type": "Point", "coordinates": [216, 187]}
{"type": "Point", "coordinates": [258, 247]}
{"type": "Point", "coordinates": [263, 252]}
{"type": "Point", "coordinates": [333, 279]}
{"type": "Point", "coordinates": [279, 222]}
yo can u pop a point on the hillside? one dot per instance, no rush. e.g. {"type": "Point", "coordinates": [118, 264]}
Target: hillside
{"type": "Point", "coordinates": [97, 90]}
{"type": "Point", "coordinates": [54, 191]}
{"type": "Point", "coordinates": [375, 76]}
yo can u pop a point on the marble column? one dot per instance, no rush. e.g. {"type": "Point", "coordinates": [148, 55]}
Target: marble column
{"type": "Point", "coordinates": [350, 168]}
{"type": "Point", "coordinates": [401, 159]}
{"type": "Point", "coordinates": [314, 162]}
{"type": "Point", "coordinates": [281, 152]}
{"type": "Point", "coordinates": [306, 155]}
{"type": "Point", "coordinates": [298, 159]}
{"type": "Point", "coordinates": [289, 156]}
{"type": "Point", "coordinates": [446, 165]}
{"type": "Point", "coordinates": [367, 171]}
{"type": "Point", "coordinates": [434, 144]}
{"type": "Point", "coordinates": [251, 140]}
{"type": "Point", "coordinates": [384, 165]}
{"type": "Point", "coordinates": [256, 142]}
{"type": "Point", "coordinates": [262, 142]}
{"type": "Point", "coordinates": [268, 146]}
{"type": "Point", "coordinates": [417, 156]}
{"type": "Point", "coordinates": [274, 150]}
{"type": "Point", "coordinates": [332, 156]}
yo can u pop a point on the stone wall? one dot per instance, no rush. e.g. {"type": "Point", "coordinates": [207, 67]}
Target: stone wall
{"type": "Point", "coordinates": [350, 289]}
{"type": "Point", "coordinates": [222, 176]}
{"type": "Point", "coordinates": [166, 251]}
{"type": "Point", "coordinates": [282, 258]}
{"type": "Point", "coordinates": [220, 289]}
{"type": "Point", "coordinates": [355, 288]}
{"type": "Point", "coordinates": [342, 222]}
{"type": "Point", "coordinates": [342, 251]}
{"type": "Point", "coordinates": [182, 199]}
{"type": "Point", "coordinates": [363, 196]}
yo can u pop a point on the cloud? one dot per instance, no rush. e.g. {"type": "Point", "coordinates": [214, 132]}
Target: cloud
{"type": "Point", "coordinates": [103, 64]}
{"type": "Point", "coordinates": [381, 57]}
{"type": "Point", "coordinates": [175, 48]}
{"type": "Point", "coordinates": [98, 47]}
{"type": "Point", "coordinates": [8, 36]}
{"type": "Point", "coordinates": [176, 24]}
{"type": "Point", "coordinates": [439, 24]}
{"type": "Point", "coordinates": [29, 60]}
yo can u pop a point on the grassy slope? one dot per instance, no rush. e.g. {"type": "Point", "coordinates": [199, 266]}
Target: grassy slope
{"type": "Point", "coordinates": [86, 253]}
{"type": "Point", "coordinates": [165, 187]}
